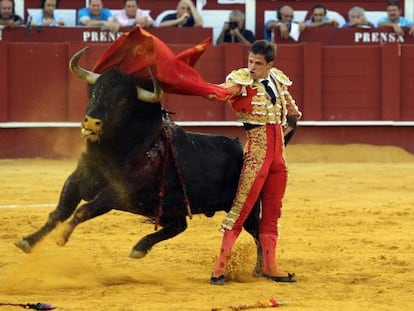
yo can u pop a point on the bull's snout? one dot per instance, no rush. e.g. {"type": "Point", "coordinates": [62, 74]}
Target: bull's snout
{"type": "Point", "coordinates": [91, 128]}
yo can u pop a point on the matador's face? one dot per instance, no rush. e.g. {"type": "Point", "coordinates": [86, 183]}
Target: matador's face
{"type": "Point", "coordinates": [258, 66]}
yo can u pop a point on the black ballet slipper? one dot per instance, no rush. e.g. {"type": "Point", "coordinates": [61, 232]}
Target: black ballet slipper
{"type": "Point", "coordinates": [290, 278]}
{"type": "Point", "coordinates": [217, 280]}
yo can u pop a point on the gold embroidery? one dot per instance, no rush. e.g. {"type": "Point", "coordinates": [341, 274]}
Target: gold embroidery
{"type": "Point", "coordinates": [280, 76]}
{"type": "Point", "coordinates": [241, 76]}
{"type": "Point", "coordinates": [262, 110]}
{"type": "Point", "coordinates": [256, 146]}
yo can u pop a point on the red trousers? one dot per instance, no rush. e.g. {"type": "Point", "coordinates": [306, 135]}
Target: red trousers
{"type": "Point", "coordinates": [264, 174]}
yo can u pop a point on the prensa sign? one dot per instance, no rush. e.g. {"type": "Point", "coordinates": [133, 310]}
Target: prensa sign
{"type": "Point", "coordinates": [100, 36]}
{"type": "Point", "coordinates": [374, 37]}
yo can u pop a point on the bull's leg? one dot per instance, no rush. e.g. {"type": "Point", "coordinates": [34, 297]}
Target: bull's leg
{"type": "Point", "coordinates": [170, 228]}
{"type": "Point", "coordinates": [68, 201]}
{"type": "Point", "coordinates": [85, 212]}
{"type": "Point", "coordinates": [252, 226]}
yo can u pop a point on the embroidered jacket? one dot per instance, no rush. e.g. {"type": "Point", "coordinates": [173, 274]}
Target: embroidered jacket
{"type": "Point", "coordinates": [251, 102]}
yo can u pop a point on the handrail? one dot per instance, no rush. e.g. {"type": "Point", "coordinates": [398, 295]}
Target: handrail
{"type": "Point", "coordinates": [212, 124]}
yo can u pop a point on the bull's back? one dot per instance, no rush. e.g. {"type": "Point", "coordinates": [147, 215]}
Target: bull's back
{"type": "Point", "coordinates": [206, 150]}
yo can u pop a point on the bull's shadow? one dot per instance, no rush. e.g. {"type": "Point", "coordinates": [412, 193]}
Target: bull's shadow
{"type": "Point", "coordinates": [138, 160]}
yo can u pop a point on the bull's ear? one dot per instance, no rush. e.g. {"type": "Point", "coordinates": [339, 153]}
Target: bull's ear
{"type": "Point", "coordinates": [151, 97]}
{"type": "Point", "coordinates": [84, 74]}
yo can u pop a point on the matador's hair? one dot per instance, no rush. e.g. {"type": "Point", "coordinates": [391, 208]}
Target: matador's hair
{"type": "Point", "coordinates": [264, 47]}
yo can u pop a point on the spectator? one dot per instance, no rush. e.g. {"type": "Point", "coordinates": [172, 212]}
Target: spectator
{"type": "Point", "coordinates": [394, 20]}
{"type": "Point", "coordinates": [97, 16]}
{"type": "Point", "coordinates": [234, 31]}
{"type": "Point", "coordinates": [319, 17]}
{"type": "Point", "coordinates": [356, 17]}
{"type": "Point", "coordinates": [284, 23]}
{"type": "Point", "coordinates": [8, 17]}
{"type": "Point", "coordinates": [46, 16]}
{"type": "Point", "coordinates": [131, 15]}
{"type": "Point", "coordinates": [186, 16]}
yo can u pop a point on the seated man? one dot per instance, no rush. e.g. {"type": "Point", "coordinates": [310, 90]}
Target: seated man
{"type": "Point", "coordinates": [97, 16]}
{"type": "Point", "coordinates": [356, 16]}
{"type": "Point", "coordinates": [8, 17]}
{"type": "Point", "coordinates": [47, 16]}
{"type": "Point", "coordinates": [131, 15]}
{"type": "Point", "coordinates": [394, 20]}
{"type": "Point", "coordinates": [319, 18]}
{"type": "Point", "coordinates": [234, 31]}
{"type": "Point", "coordinates": [284, 24]}
{"type": "Point", "coordinates": [186, 16]}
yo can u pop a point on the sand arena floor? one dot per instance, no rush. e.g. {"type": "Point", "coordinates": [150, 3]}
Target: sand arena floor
{"type": "Point", "coordinates": [346, 231]}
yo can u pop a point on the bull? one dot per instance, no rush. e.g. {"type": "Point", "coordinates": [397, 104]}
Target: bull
{"type": "Point", "coordinates": [139, 161]}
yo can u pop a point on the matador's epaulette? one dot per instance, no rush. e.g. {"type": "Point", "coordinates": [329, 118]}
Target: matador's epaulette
{"type": "Point", "coordinates": [240, 76]}
{"type": "Point", "coordinates": [280, 76]}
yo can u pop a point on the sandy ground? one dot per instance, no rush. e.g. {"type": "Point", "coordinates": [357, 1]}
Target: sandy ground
{"type": "Point", "coordinates": [347, 233]}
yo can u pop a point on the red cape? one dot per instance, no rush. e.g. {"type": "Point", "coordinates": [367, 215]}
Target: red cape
{"type": "Point", "coordinates": [133, 52]}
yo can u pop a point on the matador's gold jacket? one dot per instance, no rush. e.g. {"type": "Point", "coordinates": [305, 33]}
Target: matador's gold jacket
{"type": "Point", "coordinates": [251, 103]}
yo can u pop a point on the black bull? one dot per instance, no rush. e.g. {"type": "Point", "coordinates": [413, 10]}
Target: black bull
{"type": "Point", "coordinates": [138, 160]}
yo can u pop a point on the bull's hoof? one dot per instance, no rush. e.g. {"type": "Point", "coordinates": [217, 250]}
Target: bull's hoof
{"type": "Point", "coordinates": [61, 241]}
{"type": "Point", "coordinates": [137, 254]}
{"type": "Point", "coordinates": [24, 245]}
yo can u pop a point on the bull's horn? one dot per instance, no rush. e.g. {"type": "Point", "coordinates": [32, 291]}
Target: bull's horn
{"type": "Point", "coordinates": [151, 97]}
{"type": "Point", "coordinates": [84, 74]}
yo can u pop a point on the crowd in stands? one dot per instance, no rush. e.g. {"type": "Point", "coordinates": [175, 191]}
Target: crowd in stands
{"type": "Point", "coordinates": [187, 15]}
{"type": "Point", "coordinates": [319, 18]}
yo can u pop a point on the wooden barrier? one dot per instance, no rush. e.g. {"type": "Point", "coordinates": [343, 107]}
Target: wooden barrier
{"type": "Point", "coordinates": [337, 83]}
{"type": "Point", "coordinates": [331, 83]}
